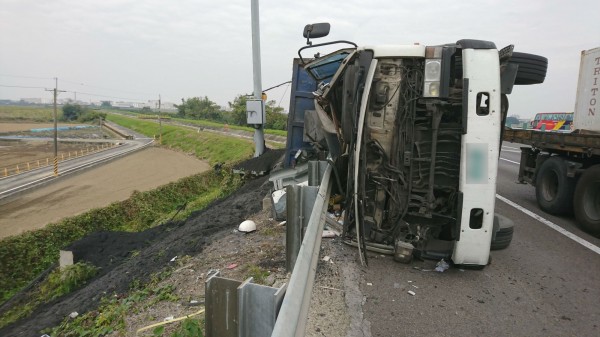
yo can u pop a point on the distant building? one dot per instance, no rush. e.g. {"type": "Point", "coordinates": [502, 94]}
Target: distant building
{"type": "Point", "coordinates": [36, 100]}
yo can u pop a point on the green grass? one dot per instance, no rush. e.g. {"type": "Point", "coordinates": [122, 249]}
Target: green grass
{"type": "Point", "coordinates": [212, 124]}
{"type": "Point", "coordinates": [28, 114]}
{"type": "Point", "coordinates": [58, 283]}
{"type": "Point", "coordinates": [25, 256]}
{"type": "Point", "coordinates": [204, 145]}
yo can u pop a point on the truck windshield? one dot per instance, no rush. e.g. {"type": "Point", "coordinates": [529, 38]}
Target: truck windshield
{"type": "Point", "coordinates": [327, 66]}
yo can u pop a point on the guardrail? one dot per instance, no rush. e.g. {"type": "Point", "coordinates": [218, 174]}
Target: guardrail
{"type": "Point", "coordinates": [31, 165]}
{"type": "Point", "coordinates": [291, 321]}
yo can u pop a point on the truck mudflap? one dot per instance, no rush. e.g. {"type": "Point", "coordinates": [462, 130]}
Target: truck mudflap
{"type": "Point", "coordinates": [479, 156]}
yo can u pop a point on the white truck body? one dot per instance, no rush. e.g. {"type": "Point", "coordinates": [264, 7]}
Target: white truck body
{"type": "Point", "coordinates": [587, 104]}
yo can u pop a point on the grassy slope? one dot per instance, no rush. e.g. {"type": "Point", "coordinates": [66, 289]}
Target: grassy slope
{"type": "Point", "coordinates": [28, 254]}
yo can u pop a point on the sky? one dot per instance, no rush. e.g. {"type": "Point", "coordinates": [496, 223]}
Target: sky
{"type": "Point", "coordinates": [136, 50]}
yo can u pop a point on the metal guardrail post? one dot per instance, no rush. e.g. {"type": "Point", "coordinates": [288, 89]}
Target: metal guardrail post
{"type": "Point", "coordinates": [299, 205]}
{"type": "Point", "coordinates": [257, 308]}
{"type": "Point", "coordinates": [293, 227]}
{"type": "Point", "coordinates": [291, 321]}
{"type": "Point", "coordinates": [221, 315]}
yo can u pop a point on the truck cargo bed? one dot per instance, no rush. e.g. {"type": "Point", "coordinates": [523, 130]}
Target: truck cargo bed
{"type": "Point", "coordinates": [576, 142]}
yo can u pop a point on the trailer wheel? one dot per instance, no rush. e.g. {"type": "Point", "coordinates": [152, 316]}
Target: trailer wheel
{"type": "Point", "coordinates": [553, 189]}
{"type": "Point", "coordinates": [504, 233]}
{"type": "Point", "coordinates": [532, 68]}
{"type": "Point", "coordinates": [586, 203]}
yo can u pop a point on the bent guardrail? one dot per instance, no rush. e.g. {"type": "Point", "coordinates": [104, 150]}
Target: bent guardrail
{"type": "Point", "coordinates": [291, 320]}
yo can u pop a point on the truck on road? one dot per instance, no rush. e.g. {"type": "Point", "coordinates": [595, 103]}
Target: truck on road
{"type": "Point", "coordinates": [414, 132]}
{"type": "Point", "coordinates": [565, 167]}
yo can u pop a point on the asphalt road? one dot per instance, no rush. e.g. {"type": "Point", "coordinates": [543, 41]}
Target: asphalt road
{"type": "Point", "coordinates": [14, 184]}
{"type": "Point", "coordinates": [544, 284]}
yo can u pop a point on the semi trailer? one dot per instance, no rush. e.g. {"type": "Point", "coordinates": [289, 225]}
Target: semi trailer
{"type": "Point", "coordinates": [564, 167]}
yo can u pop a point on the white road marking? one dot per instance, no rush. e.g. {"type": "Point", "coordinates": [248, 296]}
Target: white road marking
{"type": "Point", "coordinates": [512, 151]}
{"type": "Point", "coordinates": [552, 225]}
{"type": "Point", "coordinates": [510, 161]}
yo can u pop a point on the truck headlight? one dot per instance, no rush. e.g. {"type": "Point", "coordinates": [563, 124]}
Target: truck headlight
{"type": "Point", "coordinates": [432, 72]}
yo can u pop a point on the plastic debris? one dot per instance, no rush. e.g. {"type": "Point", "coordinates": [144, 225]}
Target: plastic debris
{"type": "Point", "coordinates": [329, 234]}
{"type": "Point", "coordinates": [412, 293]}
{"type": "Point", "coordinates": [74, 314]}
{"type": "Point", "coordinates": [232, 266]}
{"type": "Point", "coordinates": [247, 226]}
{"type": "Point", "coordinates": [415, 286]}
{"type": "Point", "coordinates": [369, 283]}
{"type": "Point", "coordinates": [170, 318]}
{"type": "Point", "coordinates": [283, 223]}
{"type": "Point", "coordinates": [326, 258]}
{"type": "Point", "coordinates": [174, 258]}
{"type": "Point", "coordinates": [442, 266]}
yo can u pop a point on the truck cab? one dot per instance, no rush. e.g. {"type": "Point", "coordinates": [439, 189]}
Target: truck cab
{"type": "Point", "coordinates": [415, 133]}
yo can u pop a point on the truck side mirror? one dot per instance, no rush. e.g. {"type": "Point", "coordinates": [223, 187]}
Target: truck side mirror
{"type": "Point", "coordinates": [316, 30]}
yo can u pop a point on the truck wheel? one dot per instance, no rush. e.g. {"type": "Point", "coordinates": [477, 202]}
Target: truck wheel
{"type": "Point", "coordinates": [587, 200]}
{"type": "Point", "coordinates": [553, 189]}
{"type": "Point", "coordinates": [532, 68]}
{"type": "Point", "coordinates": [504, 233]}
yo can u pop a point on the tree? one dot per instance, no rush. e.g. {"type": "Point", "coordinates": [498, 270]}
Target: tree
{"type": "Point", "coordinates": [199, 108]}
{"type": "Point", "coordinates": [276, 119]}
{"type": "Point", "coordinates": [72, 111]}
{"type": "Point", "coordinates": [237, 115]}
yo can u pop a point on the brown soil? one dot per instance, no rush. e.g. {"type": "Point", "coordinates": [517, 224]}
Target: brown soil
{"type": "Point", "coordinates": [99, 187]}
{"type": "Point", "coordinates": [39, 153]}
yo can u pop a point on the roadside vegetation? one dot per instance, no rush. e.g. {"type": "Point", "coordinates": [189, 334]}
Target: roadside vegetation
{"type": "Point", "coordinates": [82, 114]}
{"type": "Point", "coordinates": [208, 146]}
{"type": "Point", "coordinates": [25, 256]}
{"type": "Point", "coordinates": [32, 114]}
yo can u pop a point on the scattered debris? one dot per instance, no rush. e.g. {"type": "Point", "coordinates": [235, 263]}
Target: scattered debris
{"type": "Point", "coordinates": [247, 226]}
{"type": "Point", "coordinates": [330, 288]}
{"type": "Point", "coordinates": [170, 318]}
{"type": "Point", "coordinates": [397, 285]}
{"type": "Point", "coordinates": [279, 204]}
{"type": "Point", "coordinates": [369, 283]}
{"type": "Point", "coordinates": [74, 314]}
{"type": "Point", "coordinates": [282, 223]}
{"type": "Point", "coordinates": [421, 269]}
{"type": "Point", "coordinates": [412, 293]}
{"type": "Point", "coordinates": [415, 286]}
{"type": "Point", "coordinates": [173, 259]}
{"type": "Point", "coordinates": [232, 266]}
{"type": "Point", "coordinates": [329, 234]}
{"type": "Point", "coordinates": [442, 266]}
{"type": "Point", "coordinates": [326, 258]}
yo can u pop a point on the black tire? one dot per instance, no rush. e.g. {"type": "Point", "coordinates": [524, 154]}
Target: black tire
{"type": "Point", "coordinates": [532, 68]}
{"type": "Point", "coordinates": [553, 189]}
{"type": "Point", "coordinates": [586, 203]}
{"type": "Point", "coordinates": [504, 234]}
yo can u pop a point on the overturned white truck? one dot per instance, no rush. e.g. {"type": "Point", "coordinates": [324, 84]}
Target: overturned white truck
{"type": "Point", "coordinates": [415, 134]}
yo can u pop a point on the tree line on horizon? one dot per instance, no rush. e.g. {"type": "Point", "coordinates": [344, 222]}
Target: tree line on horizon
{"type": "Point", "coordinates": [204, 108]}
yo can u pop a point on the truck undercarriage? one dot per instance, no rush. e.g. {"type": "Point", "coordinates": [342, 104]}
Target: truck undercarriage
{"type": "Point", "coordinates": [415, 133]}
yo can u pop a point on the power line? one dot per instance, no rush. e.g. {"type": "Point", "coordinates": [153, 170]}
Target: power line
{"type": "Point", "coordinates": [105, 96]}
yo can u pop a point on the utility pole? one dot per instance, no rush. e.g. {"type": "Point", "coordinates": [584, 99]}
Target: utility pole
{"type": "Point", "coordinates": [259, 136]}
{"type": "Point", "coordinates": [159, 122]}
{"type": "Point", "coordinates": [55, 93]}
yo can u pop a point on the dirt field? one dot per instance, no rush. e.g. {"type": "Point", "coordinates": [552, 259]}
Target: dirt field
{"type": "Point", "coordinates": [98, 187]}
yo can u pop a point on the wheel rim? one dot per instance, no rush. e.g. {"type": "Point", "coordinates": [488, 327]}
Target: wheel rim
{"type": "Point", "coordinates": [550, 185]}
{"type": "Point", "coordinates": [591, 200]}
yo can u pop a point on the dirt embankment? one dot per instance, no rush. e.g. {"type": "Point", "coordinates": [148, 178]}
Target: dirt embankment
{"type": "Point", "coordinates": [172, 239]}
{"type": "Point", "coordinates": [114, 181]}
